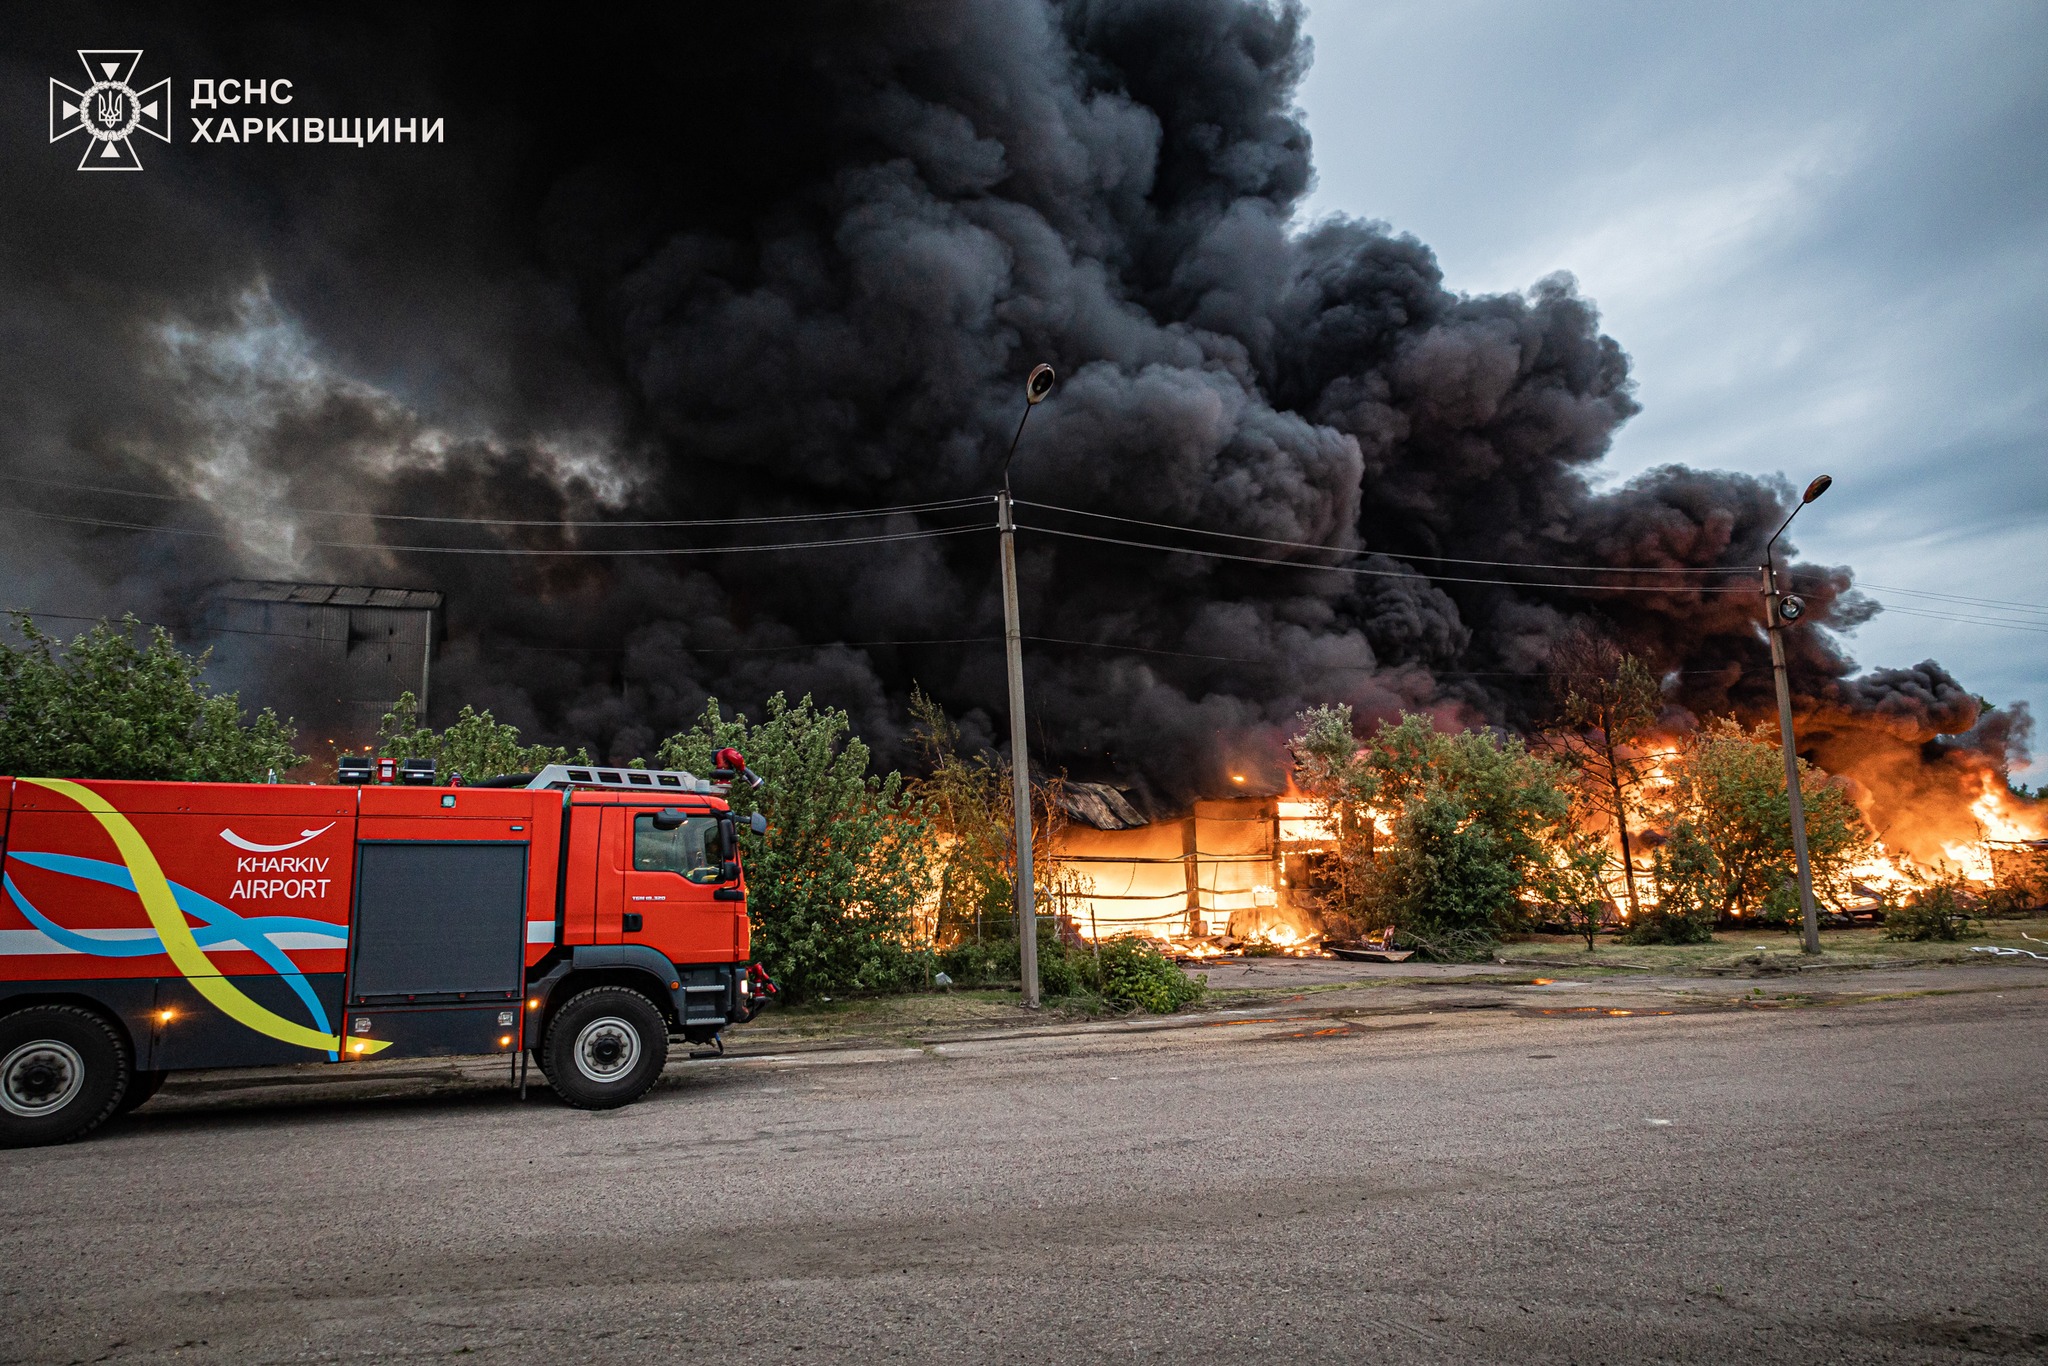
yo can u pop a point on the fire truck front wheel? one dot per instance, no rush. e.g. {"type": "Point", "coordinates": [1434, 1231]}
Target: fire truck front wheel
{"type": "Point", "coordinates": [605, 1047]}
{"type": "Point", "coordinates": [63, 1071]}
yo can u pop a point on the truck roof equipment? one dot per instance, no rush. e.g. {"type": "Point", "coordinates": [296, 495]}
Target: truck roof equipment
{"type": "Point", "coordinates": [562, 777]}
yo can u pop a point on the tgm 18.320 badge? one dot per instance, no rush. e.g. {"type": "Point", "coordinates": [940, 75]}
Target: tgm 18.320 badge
{"type": "Point", "coordinates": [109, 111]}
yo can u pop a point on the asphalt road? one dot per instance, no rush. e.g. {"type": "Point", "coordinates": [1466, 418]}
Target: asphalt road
{"type": "Point", "coordinates": [1856, 1183]}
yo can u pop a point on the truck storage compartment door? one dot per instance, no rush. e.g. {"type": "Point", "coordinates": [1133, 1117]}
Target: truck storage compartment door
{"type": "Point", "coordinates": [439, 920]}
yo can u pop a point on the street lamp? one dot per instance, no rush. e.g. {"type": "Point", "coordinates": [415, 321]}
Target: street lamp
{"type": "Point", "coordinates": [1036, 386]}
{"type": "Point", "coordinates": [1780, 611]}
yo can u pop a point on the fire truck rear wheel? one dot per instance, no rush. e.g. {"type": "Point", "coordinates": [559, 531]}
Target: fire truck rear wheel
{"type": "Point", "coordinates": [63, 1072]}
{"type": "Point", "coordinates": [141, 1087]}
{"type": "Point", "coordinates": [605, 1047]}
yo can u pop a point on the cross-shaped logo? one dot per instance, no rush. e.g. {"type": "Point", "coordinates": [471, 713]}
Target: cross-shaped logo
{"type": "Point", "coordinates": [109, 110]}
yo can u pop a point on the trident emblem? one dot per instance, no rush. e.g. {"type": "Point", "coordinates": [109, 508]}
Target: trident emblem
{"type": "Point", "coordinates": [110, 110]}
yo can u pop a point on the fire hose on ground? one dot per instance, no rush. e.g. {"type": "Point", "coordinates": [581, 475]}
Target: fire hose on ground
{"type": "Point", "coordinates": [1998, 951]}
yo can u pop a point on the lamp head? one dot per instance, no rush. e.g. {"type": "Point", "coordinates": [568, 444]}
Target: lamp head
{"type": "Point", "coordinates": [1038, 384]}
{"type": "Point", "coordinates": [1816, 489]}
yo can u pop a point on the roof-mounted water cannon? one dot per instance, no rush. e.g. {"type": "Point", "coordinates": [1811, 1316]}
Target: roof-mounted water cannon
{"type": "Point", "coordinates": [729, 764]}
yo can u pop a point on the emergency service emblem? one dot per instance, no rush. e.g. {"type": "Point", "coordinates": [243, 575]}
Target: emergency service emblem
{"type": "Point", "coordinates": [110, 111]}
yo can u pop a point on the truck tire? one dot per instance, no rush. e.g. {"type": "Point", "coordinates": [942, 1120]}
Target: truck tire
{"type": "Point", "coordinates": [605, 1047]}
{"type": "Point", "coordinates": [140, 1089]}
{"type": "Point", "coordinates": [63, 1072]}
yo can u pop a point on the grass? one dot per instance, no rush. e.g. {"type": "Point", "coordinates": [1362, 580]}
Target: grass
{"type": "Point", "coordinates": [1726, 950]}
{"type": "Point", "coordinates": [905, 1020]}
{"type": "Point", "coordinates": [911, 1020]}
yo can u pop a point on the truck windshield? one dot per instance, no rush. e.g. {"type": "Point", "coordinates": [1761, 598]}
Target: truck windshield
{"type": "Point", "coordinates": [690, 849]}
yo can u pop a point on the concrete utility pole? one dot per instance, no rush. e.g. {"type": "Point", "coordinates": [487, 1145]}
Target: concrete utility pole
{"type": "Point", "coordinates": [1780, 611]}
{"type": "Point", "coordinates": [1036, 387]}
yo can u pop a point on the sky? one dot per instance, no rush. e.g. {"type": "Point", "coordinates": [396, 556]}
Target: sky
{"type": "Point", "coordinates": [1820, 230]}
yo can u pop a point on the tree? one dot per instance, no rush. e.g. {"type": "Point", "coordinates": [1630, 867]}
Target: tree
{"type": "Point", "coordinates": [1331, 767]}
{"type": "Point", "coordinates": [1686, 873]}
{"type": "Point", "coordinates": [1729, 848]}
{"type": "Point", "coordinates": [1448, 872]}
{"type": "Point", "coordinates": [1607, 703]}
{"type": "Point", "coordinates": [1578, 884]}
{"type": "Point", "coordinates": [967, 801]}
{"type": "Point", "coordinates": [1506, 801]}
{"type": "Point", "coordinates": [105, 707]}
{"type": "Point", "coordinates": [1475, 819]}
{"type": "Point", "coordinates": [835, 886]}
{"type": "Point", "coordinates": [477, 746]}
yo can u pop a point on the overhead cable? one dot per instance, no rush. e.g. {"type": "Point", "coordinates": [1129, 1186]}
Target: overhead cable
{"type": "Point", "coordinates": [1440, 559]}
{"type": "Point", "coordinates": [1384, 573]}
{"type": "Point", "coordinates": [2038, 628]}
{"type": "Point", "coordinates": [1953, 597]}
{"type": "Point", "coordinates": [1275, 659]}
{"type": "Point", "coordinates": [938, 506]}
{"type": "Point", "coordinates": [580, 552]}
{"type": "Point", "coordinates": [522, 645]}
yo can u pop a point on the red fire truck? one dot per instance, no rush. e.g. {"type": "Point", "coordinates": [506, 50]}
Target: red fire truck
{"type": "Point", "coordinates": [582, 916]}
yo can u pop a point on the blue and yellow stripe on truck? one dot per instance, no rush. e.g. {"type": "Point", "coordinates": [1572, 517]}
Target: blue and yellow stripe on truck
{"type": "Point", "coordinates": [167, 916]}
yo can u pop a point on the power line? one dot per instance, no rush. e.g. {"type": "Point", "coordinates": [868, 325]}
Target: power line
{"type": "Point", "coordinates": [517, 551]}
{"type": "Point", "coordinates": [1384, 573]}
{"type": "Point", "coordinates": [1333, 668]}
{"type": "Point", "coordinates": [763, 649]}
{"type": "Point", "coordinates": [1278, 658]}
{"type": "Point", "coordinates": [1440, 559]}
{"type": "Point", "coordinates": [938, 506]}
{"type": "Point", "coordinates": [1973, 621]}
{"type": "Point", "coordinates": [1952, 597]}
{"type": "Point", "coordinates": [203, 631]}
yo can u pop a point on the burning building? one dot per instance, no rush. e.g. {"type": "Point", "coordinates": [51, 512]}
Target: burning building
{"type": "Point", "coordinates": [1231, 870]}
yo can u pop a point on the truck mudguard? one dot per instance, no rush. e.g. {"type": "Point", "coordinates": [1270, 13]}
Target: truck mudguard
{"type": "Point", "coordinates": [639, 957]}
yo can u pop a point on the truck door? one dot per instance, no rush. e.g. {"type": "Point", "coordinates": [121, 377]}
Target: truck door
{"type": "Point", "coordinates": [666, 881]}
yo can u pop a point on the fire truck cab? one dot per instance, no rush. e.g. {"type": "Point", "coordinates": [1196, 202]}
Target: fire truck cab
{"type": "Point", "coordinates": [582, 918]}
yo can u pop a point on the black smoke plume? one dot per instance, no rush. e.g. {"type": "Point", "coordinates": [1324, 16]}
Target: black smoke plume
{"type": "Point", "coordinates": [694, 261]}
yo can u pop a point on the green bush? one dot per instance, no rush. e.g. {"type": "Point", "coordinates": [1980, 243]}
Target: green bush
{"type": "Point", "coordinates": [106, 707]}
{"type": "Point", "coordinates": [1063, 969]}
{"type": "Point", "coordinates": [477, 746]}
{"type": "Point", "coordinates": [1449, 871]}
{"type": "Point", "coordinates": [1659, 926]}
{"type": "Point", "coordinates": [2009, 903]}
{"type": "Point", "coordinates": [833, 889]}
{"type": "Point", "coordinates": [1135, 974]}
{"type": "Point", "coordinates": [1931, 913]}
{"type": "Point", "coordinates": [980, 963]}
{"type": "Point", "coordinates": [1066, 969]}
{"type": "Point", "coordinates": [1475, 818]}
{"type": "Point", "coordinates": [1731, 844]}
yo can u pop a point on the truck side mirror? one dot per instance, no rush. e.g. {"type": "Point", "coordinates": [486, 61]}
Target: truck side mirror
{"type": "Point", "coordinates": [728, 871]}
{"type": "Point", "coordinates": [669, 819]}
{"type": "Point", "coordinates": [758, 823]}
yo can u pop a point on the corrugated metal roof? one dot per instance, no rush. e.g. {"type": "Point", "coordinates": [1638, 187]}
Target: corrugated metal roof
{"type": "Point", "coordinates": [1100, 805]}
{"type": "Point", "coordinates": [329, 594]}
